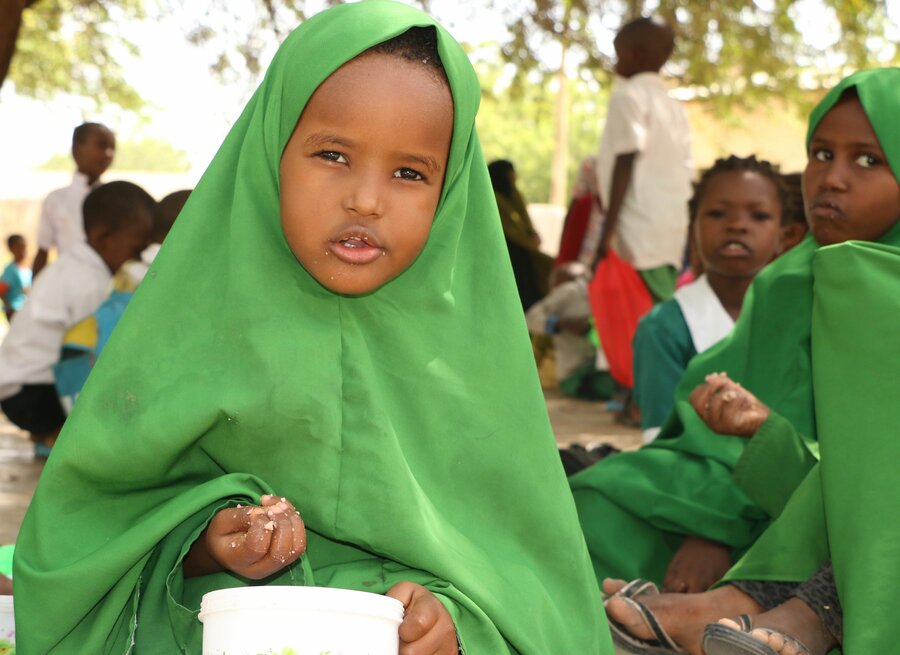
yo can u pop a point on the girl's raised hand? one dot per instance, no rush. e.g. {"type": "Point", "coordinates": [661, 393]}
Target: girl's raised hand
{"type": "Point", "coordinates": [427, 628]}
{"type": "Point", "coordinates": [256, 542]}
{"type": "Point", "coordinates": [727, 408]}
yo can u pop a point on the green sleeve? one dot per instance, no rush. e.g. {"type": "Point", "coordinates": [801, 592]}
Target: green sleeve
{"type": "Point", "coordinates": [662, 349]}
{"type": "Point", "coordinates": [774, 463]}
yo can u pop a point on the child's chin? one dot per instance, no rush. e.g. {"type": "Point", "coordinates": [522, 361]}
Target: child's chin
{"type": "Point", "coordinates": [353, 287]}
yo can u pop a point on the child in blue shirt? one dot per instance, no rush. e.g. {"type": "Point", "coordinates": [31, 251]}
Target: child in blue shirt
{"type": "Point", "coordinates": [16, 278]}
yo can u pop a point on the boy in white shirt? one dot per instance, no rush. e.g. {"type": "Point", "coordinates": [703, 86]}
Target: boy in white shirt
{"type": "Point", "coordinates": [118, 218]}
{"type": "Point", "coordinates": [644, 165]}
{"type": "Point", "coordinates": [61, 225]}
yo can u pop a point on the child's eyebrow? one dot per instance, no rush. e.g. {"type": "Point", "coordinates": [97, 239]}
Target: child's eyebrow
{"type": "Point", "coordinates": [873, 145]}
{"type": "Point", "coordinates": [426, 160]}
{"type": "Point", "coordinates": [321, 138]}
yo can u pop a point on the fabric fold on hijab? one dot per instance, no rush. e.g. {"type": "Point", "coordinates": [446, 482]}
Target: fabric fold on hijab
{"type": "Point", "coordinates": [407, 425]}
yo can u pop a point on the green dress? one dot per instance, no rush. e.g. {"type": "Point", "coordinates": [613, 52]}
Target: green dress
{"type": "Point", "coordinates": [692, 481]}
{"type": "Point", "coordinates": [388, 419]}
{"type": "Point", "coordinates": [844, 508]}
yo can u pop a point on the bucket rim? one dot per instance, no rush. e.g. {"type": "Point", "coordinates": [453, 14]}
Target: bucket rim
{"type": "Point", "coordinates": [322, 599]}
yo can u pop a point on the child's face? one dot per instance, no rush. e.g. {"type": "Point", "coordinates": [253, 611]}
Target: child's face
{"type": "Point", "coordinates": [738, 224]}
{"type": "Point", "coordinates": [18, 249]}
{"type": "Point", "coordinates": [627, 60]}
{"type": "Point", "coordinates": [849, 190]}
{"type": "Point", "coordinates": [95, 154]}
{"type": "Point", "coordinates": [362, 173]}
{"type": "Point", "coordinates": [125, 244]}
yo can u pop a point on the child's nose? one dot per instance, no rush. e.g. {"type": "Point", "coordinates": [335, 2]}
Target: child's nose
{"type": "Point", "coordinates": [365, 196]}
{"type": "Point", "coordinates": [834, 176]}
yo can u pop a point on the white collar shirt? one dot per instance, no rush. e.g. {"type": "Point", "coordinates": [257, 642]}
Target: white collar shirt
{"type": "Point", "coordinates": [61, 223]}
{"type": "Point", "coordinates": [65, 293]}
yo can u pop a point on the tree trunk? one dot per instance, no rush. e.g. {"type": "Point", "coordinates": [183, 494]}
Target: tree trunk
{"type": "Point", "coordinates": [10, 20]}
{"type": "Point", "coordinates": [635, 9]}
{"type": "Point", "coordinates": [559, 170]}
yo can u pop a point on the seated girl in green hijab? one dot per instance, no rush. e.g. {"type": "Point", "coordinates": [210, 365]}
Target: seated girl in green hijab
{"type": "Point", "coordinates": [823, 575]}
{"type": "Point", "coordinates": [350, 345]}
{"type": "Point", "coordinates": [692, 502]}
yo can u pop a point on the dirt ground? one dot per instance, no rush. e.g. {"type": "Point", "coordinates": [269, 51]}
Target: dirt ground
{"type": "Point", "coordinates": [574, 421]}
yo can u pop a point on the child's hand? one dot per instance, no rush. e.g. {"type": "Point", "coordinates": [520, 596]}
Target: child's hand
{"type": "Point", "coordinates": [727, 408]}
{"type": "Point", "coordinates": [256, 542]}
{"type": "Point", "coordinates": [427, 628]}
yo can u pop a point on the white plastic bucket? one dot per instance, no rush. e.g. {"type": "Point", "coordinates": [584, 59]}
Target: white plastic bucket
{"type": "Point", "coordinates": [278, 620]}
{"type": "Point", "coordinates": [7, 626]}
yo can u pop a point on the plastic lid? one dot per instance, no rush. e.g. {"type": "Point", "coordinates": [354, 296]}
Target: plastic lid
{"type": "Point", "coordinates": [322, 599]}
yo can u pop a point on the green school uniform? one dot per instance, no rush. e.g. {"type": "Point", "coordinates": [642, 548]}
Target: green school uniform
{"type": "Point", "coordinates": [388, 419]}
{"type": "Point", "coordinates": [692, 481]}
{"type": "Point", "coordinates": [843, 509]}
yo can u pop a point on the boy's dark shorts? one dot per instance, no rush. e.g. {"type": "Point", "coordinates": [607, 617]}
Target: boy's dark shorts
{"type": "Point", "coordinates": [35, 408]}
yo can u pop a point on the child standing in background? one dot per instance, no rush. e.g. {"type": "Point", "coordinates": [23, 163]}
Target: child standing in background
{"type": "Point", "coordinates": [644, 165]}
{"type": "Point", "coordinates": [61, 224]}
{"type": "Point", "coordinates": [16, 278]}
{"type": "Point", "coordinates": [351, 340]}
{"type": "Point", "coordinates": [738, 217]}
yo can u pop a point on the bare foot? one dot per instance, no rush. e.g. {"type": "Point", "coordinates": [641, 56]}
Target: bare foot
{"type": "Point", "coordinates": [682, 616]}
{"type": "Point", "coordinates": [696, 566]}
{"type": "Point", "coordinates": [793, 618]}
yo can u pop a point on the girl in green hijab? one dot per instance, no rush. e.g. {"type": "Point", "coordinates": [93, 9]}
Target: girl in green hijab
{"type": "Point", "coordinates": [830, 547]}
{"type": "Point", "coordinates": [342, 345]}
{"type": "Point", "coordinates": [692, 502]}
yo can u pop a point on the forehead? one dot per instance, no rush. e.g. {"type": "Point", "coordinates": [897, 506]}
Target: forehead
{"type": "Point", "coordinates": [99, 135]}
{"type": "Point", "coordinates": [739, 185]}
{"type": "Point", "coordinates": [846, 122]}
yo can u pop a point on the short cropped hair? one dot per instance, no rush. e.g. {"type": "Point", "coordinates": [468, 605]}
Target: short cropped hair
{"type": "Point", "coordinates": [13, 239]}
{"type": "Point", "coordinates": [116, 205]}
{"type": "Point", "coordinates": [750, 165]}
{"type": "Point", "coordinates": [83, 131]}
{"type": "Point", "coordinates": [167, 211]}
{"type": "Point", "coordinates": [417, 45]}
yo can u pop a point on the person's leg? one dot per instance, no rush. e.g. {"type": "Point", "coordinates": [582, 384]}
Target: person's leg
{"type": "Point", "coordinates": [36, 409]}
{"type": "Point", "coordinates": [809, 613]}
{"type": "Point", "coordinates": [682, 616]}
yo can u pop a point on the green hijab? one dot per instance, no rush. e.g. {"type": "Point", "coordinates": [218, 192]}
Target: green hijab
{"type": "Point", "coordinates": [693, 481]}
{"type": "Point", "coordinates": [406, 425]}
{"type": "Point", "coordinates": [842, 511]}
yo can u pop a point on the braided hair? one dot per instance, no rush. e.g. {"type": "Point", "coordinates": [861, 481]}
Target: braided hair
{"type": "Point", "coordinates": [751, 165]}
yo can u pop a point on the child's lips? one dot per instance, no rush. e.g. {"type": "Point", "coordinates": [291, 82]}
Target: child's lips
{"type": "Point", "coordinates": [734, 249]}
{"type": "Point", "coordinates": [825, 209]}
{"type": "Point", "coordinates": [356, 246]}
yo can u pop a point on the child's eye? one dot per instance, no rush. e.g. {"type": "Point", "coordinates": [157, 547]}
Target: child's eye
{"type": "Point", "coordinates": [761, 216]}
{"type": "Point", "coordinates": [868, 161]}
{"type": "Point", "coordinates": [331, 155]}
{"type": "Point", "coordinates": [822, 154]}
{"type": "Point", "coordinates": [408, 174]}
{"type": "Point", "coordinates": [716, 213]}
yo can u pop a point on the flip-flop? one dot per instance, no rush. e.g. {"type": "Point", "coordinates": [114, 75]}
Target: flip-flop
{"type": "Point", "coordinates": [723, 640]}
{"type": "Point", "coordinates": [627, 643]}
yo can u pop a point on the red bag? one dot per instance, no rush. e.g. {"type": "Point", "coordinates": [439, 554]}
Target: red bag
{"type": "Point", "coordinates": [619, 298]}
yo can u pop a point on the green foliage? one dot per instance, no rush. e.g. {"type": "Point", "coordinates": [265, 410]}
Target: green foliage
{"type": "Point", "coordinates": [72, 46]}
{"type": "Point", "coordinates": [148, 154]}
{"type": "Point", "coordinates": [729, 52]}
{"type": "Point", "coordinates": [515, 122]}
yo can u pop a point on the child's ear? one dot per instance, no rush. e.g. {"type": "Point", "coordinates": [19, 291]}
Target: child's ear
{"type": "Point", "coordinates": [791, 235]}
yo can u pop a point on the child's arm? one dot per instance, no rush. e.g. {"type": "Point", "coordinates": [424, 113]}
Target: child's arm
{"type": "Point", "coordinates": [40, 260]}
{"type": "Point", "coordinates": [427, 626]}
{"type": "Point", "coordinates": [621, 180]}
{"type": "Point", "coordinates": [254, 542]}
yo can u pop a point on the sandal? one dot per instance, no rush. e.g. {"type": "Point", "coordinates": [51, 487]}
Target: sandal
{"type": "Point", "coordinates": [626, 642]}
{"type": "Point", "coordinates": [722, 640]}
